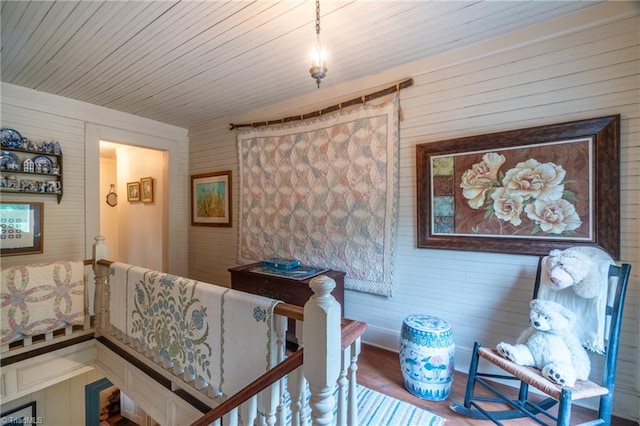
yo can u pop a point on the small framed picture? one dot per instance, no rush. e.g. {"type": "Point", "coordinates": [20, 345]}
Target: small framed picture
{"type": "Point", "coordinates": [21, 228]}
{"type": "Point", "coordinates": [211, 199]}
{"type": "Point", "coordinates": [133, 191]}
{"type": "Point", "coordinates": [23, 415]}
{"type": "Point", "coordinates": [146, 185]}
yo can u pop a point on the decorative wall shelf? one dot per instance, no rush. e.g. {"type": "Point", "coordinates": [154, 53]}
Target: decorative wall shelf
{"type": "Point", "coordinates": [24, 171]}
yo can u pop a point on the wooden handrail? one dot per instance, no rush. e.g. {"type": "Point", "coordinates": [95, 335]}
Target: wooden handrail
{"type": "Point", "coordinates": [261, 383]}
{"type": "Point", "coordinates": [351, 330]}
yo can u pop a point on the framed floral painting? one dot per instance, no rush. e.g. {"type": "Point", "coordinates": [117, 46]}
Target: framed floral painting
{"type": "Point", "coordinates": [523, 191]}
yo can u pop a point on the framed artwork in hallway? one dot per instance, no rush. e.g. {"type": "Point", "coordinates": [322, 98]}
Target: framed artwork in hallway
{"type": "Point", "coordinates": [146, 189]}
{"type": "Point", "coordinates": [133, 191]}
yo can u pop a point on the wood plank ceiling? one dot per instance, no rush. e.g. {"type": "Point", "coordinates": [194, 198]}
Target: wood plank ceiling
{"type": "Point", "coordinates": [189, 62]}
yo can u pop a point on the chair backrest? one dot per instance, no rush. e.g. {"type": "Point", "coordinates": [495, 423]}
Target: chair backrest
{"type": "Point", "coordinates": [615, 302]}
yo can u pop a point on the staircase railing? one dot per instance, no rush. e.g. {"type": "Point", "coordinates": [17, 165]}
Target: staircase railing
{"type": "Point", "coordinates": [314, 384]}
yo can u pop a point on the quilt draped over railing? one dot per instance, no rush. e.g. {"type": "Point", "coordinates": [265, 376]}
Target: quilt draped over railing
{"type": "Point", "coordinates": [219, 336]}
{"type": "Point", "coordinates": [324, 192]}
{"type": "Point", "coordinates": [40, 298]}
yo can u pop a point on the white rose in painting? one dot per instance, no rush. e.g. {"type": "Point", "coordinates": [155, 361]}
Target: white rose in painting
{"type": "Point", "coordinates": [492, 161]}
{"type": "Point", "coordinates": [531, 179]}
{"type": "Point", "coordinates": [554, 217]}
{"type": "Point", "coordinates": [507, 206]}
{"type": "Point", "coordinates": [482, 176]}
{"type": "Point", "coordinates": [532, 187]}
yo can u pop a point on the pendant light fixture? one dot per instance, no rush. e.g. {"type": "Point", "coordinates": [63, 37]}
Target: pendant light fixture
{"type": "Point", "coordinates": [318, 56]}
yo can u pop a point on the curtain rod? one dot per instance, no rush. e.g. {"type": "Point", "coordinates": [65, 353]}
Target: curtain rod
{"type": "Point", "coordinates": [355, 101]}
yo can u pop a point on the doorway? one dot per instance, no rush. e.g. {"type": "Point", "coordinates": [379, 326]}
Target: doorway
{"type": "Point", "coordinates": [106, 405]}
{"type": "Point", "coordinates": [133, 227]}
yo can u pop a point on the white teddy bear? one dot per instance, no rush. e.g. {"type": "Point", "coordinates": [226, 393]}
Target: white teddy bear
{"type": "Point", "coordinates": [579, 267]}
{"type": "Point", "coordinates": [550, 344]}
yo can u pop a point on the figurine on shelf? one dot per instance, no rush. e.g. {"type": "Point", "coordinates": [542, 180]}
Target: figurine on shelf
{"type": "Point", "coordinates": [27, 166]}
{"type": "Point", "coordinates": [53, 186]}
{"type": "Point", "coordinates": [13, 167]}
{"type": "Point", "coordinates": [12, 182]}
{"type": "Point", "coordinates": [28, 185]}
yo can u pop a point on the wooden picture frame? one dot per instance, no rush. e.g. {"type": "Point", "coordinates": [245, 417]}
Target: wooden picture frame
{"type": "Point", "coordinates": [146, 189]}
{"type": "Point", "coordinates": [133, 191]}
{"type": "Point", "coordinates": [211, 199]}
{"type": "Point", "coordinates": [22, 415]}
{"type": "Point", "coordinates": [21, 228]}
{"type": "Point", "coordinates": [523, 191]}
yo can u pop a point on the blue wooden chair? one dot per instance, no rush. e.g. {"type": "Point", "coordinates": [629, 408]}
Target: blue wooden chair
{"type": "Point", "coordinates": [480, 407]}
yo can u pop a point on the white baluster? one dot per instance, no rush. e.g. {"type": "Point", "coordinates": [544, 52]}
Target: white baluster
{"type": "Point", "coordinates": [353, 384]}
{"type": "Point", "coordinates": [101, 296]}
{"type": "Point", "coordinates": [294, 385]}
{"type": "Point", "coordinates": [249, 411]}
{"type": "Point", "coordinates": [87, 315]}
{"type": "Point", "coordinates": [304, 413]}
{"type": "Point", "coordinates": [269, 403]}
{"type": "Point", "coordinates": [322, 348]}
{"type": "Point", "coordinates": [231, 418]}
{"type": "Point", "coordinates": [281, 323]}
{"type": "Point", "coordinates": [343, 387]}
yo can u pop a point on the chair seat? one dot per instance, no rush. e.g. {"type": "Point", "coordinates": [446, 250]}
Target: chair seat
{"type": "Point", "coordinates": [582, 388]}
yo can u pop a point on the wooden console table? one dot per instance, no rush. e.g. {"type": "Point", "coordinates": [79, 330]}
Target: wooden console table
{"type": "Point", "coordinates": [291, 291]}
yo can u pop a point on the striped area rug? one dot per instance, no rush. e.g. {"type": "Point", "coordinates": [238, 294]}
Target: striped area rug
{"type": "Point", "coordinates": [376, 409]}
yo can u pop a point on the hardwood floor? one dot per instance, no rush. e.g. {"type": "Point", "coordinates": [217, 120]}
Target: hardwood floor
{"type": "Point", "coordinates": [379, 369]}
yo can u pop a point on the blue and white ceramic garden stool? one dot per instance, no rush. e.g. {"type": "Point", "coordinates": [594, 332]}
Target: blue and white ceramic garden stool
{"type": "Point", "coordinates": [426, 356]}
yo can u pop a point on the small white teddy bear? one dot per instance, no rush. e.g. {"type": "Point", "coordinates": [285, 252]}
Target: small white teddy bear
{"type": "Point", "coordinates": [550, 344]}
{"type": "Point", "coordinates": [579, 267]}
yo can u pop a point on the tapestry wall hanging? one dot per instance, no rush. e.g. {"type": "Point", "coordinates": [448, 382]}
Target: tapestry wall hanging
{"type": "Point", "coordinates": [323, 192]}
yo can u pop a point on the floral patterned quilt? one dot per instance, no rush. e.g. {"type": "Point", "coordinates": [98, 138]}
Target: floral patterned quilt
{"type": "Point", "coordinates": [323, 192]}
{"type": "Point", "coordinates": [40, 298]}
{"type": "Point", "coordinates": [218, 335]}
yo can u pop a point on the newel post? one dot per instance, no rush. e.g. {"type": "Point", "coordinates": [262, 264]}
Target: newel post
{"type": "Point", "coordinates": [321, 330]}
{"type": "Point", "coordinates": [101, 276]}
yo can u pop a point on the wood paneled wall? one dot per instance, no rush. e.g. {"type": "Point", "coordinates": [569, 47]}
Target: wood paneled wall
{"type": "Point", "coordinates": [70, 227]}
{"type": "Point", "coordinates": [580, 66]}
